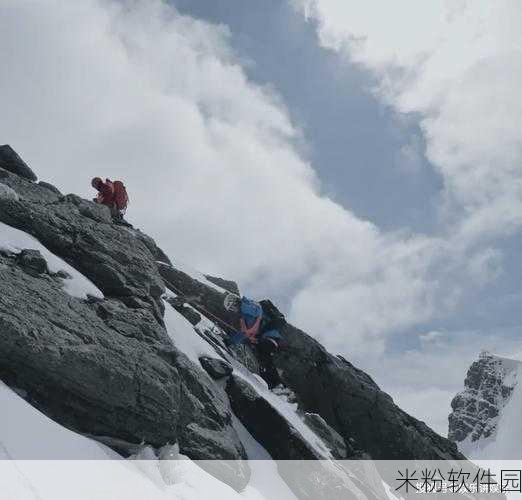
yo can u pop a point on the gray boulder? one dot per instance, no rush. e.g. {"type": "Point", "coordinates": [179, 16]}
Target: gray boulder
{"type": "Point", "coordinates": [8, 193]}
{"type": "Point", "coordinates": [179, 304]}
{"type": "Point", "coordinates": [9, 160]}
{"type": "Point", "coordinates": [216, 368]}
{"type": "Point", "coordinates": [228, 285]}
{"type": "Point", "coordinates": [32, 261]}
{"type": "Point", "coordinates": [50, 187]}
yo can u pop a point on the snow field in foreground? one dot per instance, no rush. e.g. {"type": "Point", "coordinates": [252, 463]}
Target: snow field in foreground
{"type": "Point", "coordinates": [41, 460]}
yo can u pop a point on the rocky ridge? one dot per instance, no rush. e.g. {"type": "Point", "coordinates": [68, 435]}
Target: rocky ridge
{"type": "Point", "coordinates": [476, 411]}
{"type": "Point", "coordinates": [108, 367]}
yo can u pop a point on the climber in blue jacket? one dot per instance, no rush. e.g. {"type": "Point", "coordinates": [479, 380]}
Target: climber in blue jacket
{"type": "Point", "coordinates": [259, 325]}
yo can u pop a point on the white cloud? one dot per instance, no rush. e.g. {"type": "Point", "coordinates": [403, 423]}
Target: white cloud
{"type": "Point", "coordinates": [458, 65]}
{"type": "Point", "coordinates": [134, 90]}
{"type": "Point", "coordinates": [432, 337]}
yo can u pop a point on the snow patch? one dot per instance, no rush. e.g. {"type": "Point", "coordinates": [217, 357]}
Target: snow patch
{"type": "Point", "coordinates": [25, 433]}
{"type": "Point", "coordinates": [78, 285]}
{"type": "Point", "coordinates": [265, 477]}
{"type": "Point", "coordinates": [27, 436]}
{"type": "Point", "coordinates": [184, 336]}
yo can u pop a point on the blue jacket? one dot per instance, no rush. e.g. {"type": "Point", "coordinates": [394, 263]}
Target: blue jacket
{"type": "Point", "coordinates": [250, 312]}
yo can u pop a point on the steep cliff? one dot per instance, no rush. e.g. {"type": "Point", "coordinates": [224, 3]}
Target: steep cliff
{"type": "Point", "coordinates": [109, 337]}
{"type": "Point", "coordinates": [489, 385]}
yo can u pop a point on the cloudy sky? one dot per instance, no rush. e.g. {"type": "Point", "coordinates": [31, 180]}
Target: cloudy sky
{"type": "Point", "coordinates": [359, 162]}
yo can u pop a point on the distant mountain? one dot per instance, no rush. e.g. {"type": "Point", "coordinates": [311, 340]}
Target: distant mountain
{"type": "Point", "coordinates": [477, 410]}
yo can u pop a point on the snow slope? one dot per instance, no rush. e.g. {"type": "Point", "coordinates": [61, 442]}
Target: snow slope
{"type": "Point", "coordinates": [27, 434]}
{"type": "Point", "coordinates": [184, 336]}
{"type": "Point", "coordinates": [33, 465]}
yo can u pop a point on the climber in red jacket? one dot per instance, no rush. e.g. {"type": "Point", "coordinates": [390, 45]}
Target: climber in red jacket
{"type": "Point", "coordinates": [105, 191]}
{"type": "Point", "coordinates": [112, 194]}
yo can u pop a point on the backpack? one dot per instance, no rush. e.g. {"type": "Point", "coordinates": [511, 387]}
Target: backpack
{"type": "Point", "coordinates": [275, 317]}
{"type": "Point", "coordinates": [121, 198]}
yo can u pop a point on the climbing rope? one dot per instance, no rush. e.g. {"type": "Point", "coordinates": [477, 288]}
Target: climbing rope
{"type": "Point", "coordinates": [201, 309]}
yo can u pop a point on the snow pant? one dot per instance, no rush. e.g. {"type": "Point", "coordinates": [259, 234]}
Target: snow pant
{"type": "Point", "coordinates": [266, 349]}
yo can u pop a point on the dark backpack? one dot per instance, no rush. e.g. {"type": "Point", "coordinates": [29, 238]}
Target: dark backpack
{"type": "Point", "coordinates": [275, 317]}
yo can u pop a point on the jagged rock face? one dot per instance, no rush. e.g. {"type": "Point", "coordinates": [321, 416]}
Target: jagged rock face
{"type": "Point", "coordinates": [216, 368]}
{"type": "Point", "coordinates": [115, 259]}
{"type": "Point", "coordinates": [51, 187]}
{"type": "Point", "coordinates": [344, 396]}
{"type": "Point", "coordinates": [286, 443]}
{"type": "Point", "coordinates": [107, 367]}
{"type": "Point", "coordinates": [266, 424]}
{"type": "Point", "coordinates": [488, 386]}
{"type": "Point", "coordinates": [103, 367]}
{"type": "Point", "coordinates": [338, 447]}
{"type": "Point", "coordinates": [230, 286]}
{"type": "Point", "coordinates": [186, 311]}
{"type": "Point", "coordinates": [32, 262]}
{"type": "Point", "coordinates": [360, 411]}
{"type": "Point", "coordinates": [9, 160]}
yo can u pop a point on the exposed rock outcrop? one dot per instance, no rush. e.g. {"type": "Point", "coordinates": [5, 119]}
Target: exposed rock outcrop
{"type": "Point", "coordinates": [106, 369]}
{"type": "Point", "coordinates": [230, 286]}
{"type": "Point", "coordinates": [360, 412]}
{"type": "Point", "coordinates": [109, 368]}
{"type": "Point", "coordinates": [9, 160]}
{"type": "Point", "coordinates": [267, 425]}
{"type": "Point", "coordinates": [488, 387]}
{"type": "Point", "coordinates": [335, 442]}
{"type": "Point", "coordinates": [51, 187]}
{"type": "Point", "coordinates": [32, 262]}
{"type": "Point", "coordinates": [116, 259]}
{"type": "Point", "coordinates": [344, 396]}
{"type": "Point", "coordinates": [102, 367]}
{"type": "Point", "coordinates": [216, 368]}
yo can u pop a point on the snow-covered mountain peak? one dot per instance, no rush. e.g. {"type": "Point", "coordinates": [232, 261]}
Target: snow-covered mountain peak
{"type": "Point", "coordinates": [489, 385]}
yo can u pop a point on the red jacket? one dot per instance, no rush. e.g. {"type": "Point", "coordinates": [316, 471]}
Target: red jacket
{"type": "Point", "coordinates": [106, 193]}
